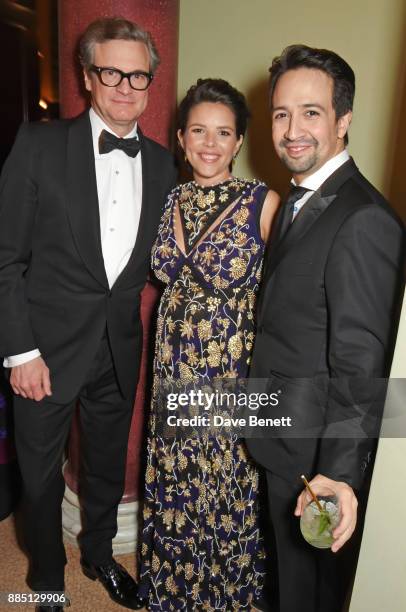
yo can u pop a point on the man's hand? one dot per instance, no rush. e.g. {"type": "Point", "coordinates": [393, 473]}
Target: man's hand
{"type": "Point", "coordinates": [348, 506]}
{"type": "Point", "coordinates": [31, 379]}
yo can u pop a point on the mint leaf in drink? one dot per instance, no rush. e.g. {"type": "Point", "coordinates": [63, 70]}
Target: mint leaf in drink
{"type": "Point", "coordinates": [324, 522]}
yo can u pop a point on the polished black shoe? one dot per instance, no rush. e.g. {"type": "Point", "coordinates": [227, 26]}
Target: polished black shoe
{"type": "Point", "coordinates": [118, 583]}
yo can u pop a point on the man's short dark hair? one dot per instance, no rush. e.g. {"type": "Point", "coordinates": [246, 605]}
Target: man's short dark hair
{"type": "Point", "coordinates": [301, 56]}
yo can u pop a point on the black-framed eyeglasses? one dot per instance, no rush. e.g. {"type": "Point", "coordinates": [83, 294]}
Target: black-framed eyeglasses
{"type": "Point", "coordinates": [112, 77]}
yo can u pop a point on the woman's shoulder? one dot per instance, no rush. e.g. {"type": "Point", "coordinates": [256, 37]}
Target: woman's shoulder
{"type": "Point", "coordinates": [258, 186]}
{"type": "Point", "coordinates": [181, 187]}
{"type": "Point", "coordinates": [174, 193]}
{"type": "Point", "coordinates": [178, 193]}
{"type": "Point", "coordinates": [252, 183]}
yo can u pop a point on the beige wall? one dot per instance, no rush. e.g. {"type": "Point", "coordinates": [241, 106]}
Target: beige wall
{"type": "Point", "coordinates": [237, 39]}
{"type": "Point", "coordinates": [380, 582]}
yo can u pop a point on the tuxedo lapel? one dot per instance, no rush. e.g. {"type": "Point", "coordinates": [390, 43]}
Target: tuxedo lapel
{"type": "Point", "coordinates": [142, 245]}
{"type": "Point", "coordinates": [83, 205]}
{"type": "Point", "coordinates": [338, 178]}
{"type": "Point", "coordinates": [307, 216]}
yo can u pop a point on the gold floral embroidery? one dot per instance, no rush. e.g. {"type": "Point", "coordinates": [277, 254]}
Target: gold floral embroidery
{"type": "Point", "coordinates": [189, 571]}
{"type": "Point", "coordinates": [208, 255]}
{"type": "Point", "coordinates": [186, 374]}
{"type": "Point", "coordinates": [182, 461]}
{"type": "Point", "coordinates": [164, 250]}
{"type": "Point", "coordinates": [242, 305]}
{"type": "Point", "coordinates": [169, 462]}
{"type": "Point", "coordinates": [180, 520]}
{"type": "Point", "coordinates": [220, 283]}
{"type": "Point", "coordinates": [204, 329]}
{"type": "Point", "coordinates": [192, 355]}
{"type": "Point", "coordinates": [162, 276]}
{"type": "Point", "coordinates": [175, 299]}
{"type": "Point", "coordinates": [235, 346]}
{"type": "Point", "coordinates": [146, 513]}
{"type": "Point", "coordinates": [240, 505]}
{"type": "Point", "coordinates": [171, 585]}
{"type": "Point", "coordinates": [167, 352]}
{"type": "Point", "coordinates": [240, 216]}
{"type": "Point", "coordinates": [171, 325]}
{"type": "Point", "coordinates": [155, 563]}
{"type": "Point", "coordinates": [186, 328]}
{"type": "Point", "coordinates": [150, 474]}
{"type": "Point", "coordinates": [214, 352]}
{"type": "Point", "coordinates": [238, 267]}
{"type": "Point", "coordinates": [232, 302]}
{"type": "Point", "coordinates": [244, 560]}
{"type": "Point", "coordinates": [227, 522]}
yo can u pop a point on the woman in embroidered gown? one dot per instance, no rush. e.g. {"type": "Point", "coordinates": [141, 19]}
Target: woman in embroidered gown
{"type": "Point", "coordinates": [200, 546]}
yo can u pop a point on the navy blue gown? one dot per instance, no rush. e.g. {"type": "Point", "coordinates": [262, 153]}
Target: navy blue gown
{"type": "Point", "coordinates": [201, 546]}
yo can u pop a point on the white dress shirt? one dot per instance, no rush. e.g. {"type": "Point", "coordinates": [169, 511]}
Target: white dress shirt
{"type": "Point", "coordinates": [119, 189]}
{"type": "Point", "coordinates": [314, 181]}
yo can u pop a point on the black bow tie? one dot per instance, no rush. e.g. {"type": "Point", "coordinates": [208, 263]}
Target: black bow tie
{"type": "Point", "coordinates": [295, 193]}
{"type": "Point", "coordinates": [108, 142]}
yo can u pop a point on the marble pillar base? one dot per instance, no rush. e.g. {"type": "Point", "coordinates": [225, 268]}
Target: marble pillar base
{"type": "Point", "coordinates": [127, 519]}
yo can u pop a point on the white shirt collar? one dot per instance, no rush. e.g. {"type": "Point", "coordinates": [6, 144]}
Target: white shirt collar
{"type": "Point", "coordinates": [98, 125]}
{"type": "Point", "coordinates": [314, 181]}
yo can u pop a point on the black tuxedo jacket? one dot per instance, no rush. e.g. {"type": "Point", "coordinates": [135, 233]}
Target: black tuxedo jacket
{"type": "Point", "coordinates": [325, 321]}
{"type": "Point", "coordinates": [54, 293]}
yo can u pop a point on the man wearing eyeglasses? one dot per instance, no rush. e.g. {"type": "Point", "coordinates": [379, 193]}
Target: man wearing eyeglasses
{"type": "Point", "coordinates": [80, 202]}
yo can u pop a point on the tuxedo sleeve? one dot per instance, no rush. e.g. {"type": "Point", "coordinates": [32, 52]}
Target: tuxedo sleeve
{"type": "Point", "coordinates": [173, 176]}
{"type": "Point", "coordinates": [362, 283]}
{"type": "Point", "coordinates": [18, 204]}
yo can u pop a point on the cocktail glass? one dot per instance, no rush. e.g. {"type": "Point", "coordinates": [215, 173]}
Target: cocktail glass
{"type": "Point", "coordinates": [318, 523]}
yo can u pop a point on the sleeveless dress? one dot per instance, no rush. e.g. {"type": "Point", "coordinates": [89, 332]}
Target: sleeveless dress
{"type": "Point", "coordinates": [201, 547]}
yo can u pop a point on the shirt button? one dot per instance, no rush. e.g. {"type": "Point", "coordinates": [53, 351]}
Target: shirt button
{"type": "Point", "coordinates": [112, 229]}
{"type": "Point", "coordinates": [114, 201]}
{"type": "Point", "coordinates": [117, 172]}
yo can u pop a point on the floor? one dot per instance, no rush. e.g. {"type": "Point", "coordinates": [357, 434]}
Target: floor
{"type": "Point", "coordinates": [85, 595]}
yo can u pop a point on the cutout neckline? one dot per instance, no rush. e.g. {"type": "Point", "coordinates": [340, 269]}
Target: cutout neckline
{"type": "Point", "coordinates": [198, 199]}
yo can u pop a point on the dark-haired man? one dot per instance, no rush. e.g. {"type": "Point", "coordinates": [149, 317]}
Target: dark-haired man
{"type": "Point", "coordinates": [325, 321]}
{"type": "Point", "coordinates": [79, 209]}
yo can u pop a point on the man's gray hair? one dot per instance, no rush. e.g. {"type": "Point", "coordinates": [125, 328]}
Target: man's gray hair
{"type": "Point", "coordinates": [114, 28]}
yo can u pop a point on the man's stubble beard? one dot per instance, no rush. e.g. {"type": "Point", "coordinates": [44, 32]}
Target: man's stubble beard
{"type": "Point", "coordinates": [299, 166]}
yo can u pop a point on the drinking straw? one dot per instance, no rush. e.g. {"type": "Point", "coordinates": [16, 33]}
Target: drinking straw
{"type": "Point", "coordinates": [308, 487]}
